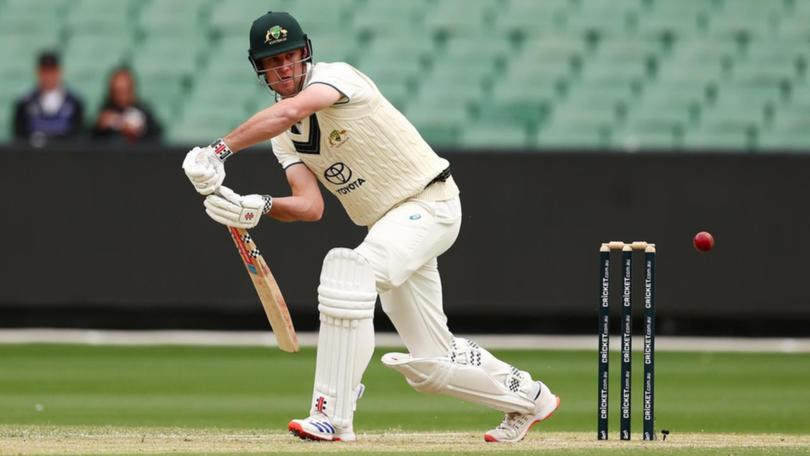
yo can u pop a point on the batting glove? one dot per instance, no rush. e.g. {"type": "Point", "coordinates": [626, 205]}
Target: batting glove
{"type": "Point", "coordinates": [205, 166]}
{"type": "Point", "coordinates": [231, 209]}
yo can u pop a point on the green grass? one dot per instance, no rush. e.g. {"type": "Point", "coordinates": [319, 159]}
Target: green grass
{"type": "Point", "coordinates": [262, 388]}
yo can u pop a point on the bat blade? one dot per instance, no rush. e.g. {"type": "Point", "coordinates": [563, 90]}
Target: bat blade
{"type": "Point", "coordinates": [266, 287]}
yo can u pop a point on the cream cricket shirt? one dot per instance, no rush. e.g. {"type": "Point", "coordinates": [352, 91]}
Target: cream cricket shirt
{"type": "Point", "coordinates": [362, 149]}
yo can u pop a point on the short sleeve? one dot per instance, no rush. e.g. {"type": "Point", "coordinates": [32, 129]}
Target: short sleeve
{"type": "Point", "coordinates": [343, 78]}
{"type": "Point", "coordinates": [284, 151]}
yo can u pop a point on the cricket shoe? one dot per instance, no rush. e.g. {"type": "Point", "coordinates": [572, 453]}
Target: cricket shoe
{"type": "Point", "coordinates": [319, 427]}
{"type": "Point", "coordinates": [515, 426]}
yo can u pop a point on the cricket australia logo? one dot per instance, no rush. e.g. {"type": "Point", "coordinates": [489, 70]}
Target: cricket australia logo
{"type": "Point", "coordinates": [338, 137]}
{"type": "Point", "coordinates": [341, 175]}
{"type": "Point", "coordinates": [276, 34]}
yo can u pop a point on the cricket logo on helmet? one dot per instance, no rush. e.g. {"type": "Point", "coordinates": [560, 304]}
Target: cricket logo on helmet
{"type": "Point", "coordinates": [275, 34]}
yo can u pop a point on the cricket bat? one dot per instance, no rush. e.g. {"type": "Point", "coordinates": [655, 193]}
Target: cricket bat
{"type": "Point", "coordinates": [267, 289]}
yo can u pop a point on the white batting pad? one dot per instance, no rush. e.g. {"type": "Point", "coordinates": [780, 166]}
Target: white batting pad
{"type": "Point", "coordinates": [346, 300]}
{"type": "Point", "coordinates": [470, 373]}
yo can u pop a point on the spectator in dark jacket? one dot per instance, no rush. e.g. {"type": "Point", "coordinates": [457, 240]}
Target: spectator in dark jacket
{"type": "Point", "coordinates": [122, 116]}
{"type": "Point", "coordinates": [50, 111]}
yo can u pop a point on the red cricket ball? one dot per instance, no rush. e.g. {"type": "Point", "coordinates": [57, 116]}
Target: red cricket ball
{"type": "Point", "coordinates": [703, 241]}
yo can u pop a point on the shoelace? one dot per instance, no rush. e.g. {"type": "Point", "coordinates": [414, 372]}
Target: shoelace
{"type": "Point", "coordinates": [510, 421]}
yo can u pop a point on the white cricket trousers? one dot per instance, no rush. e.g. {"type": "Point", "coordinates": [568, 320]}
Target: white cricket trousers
{"type": "Point", "coordinates": [402, 248]}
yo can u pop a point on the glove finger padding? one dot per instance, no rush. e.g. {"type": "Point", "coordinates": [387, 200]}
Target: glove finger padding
{"type": "Point", "coordinates": [217, 203]}
{"type": "Point", "coordinates": [226, 199]}
{"type": "Point", "coordinates": [227, 221]}
{"type": "Point", "coordinates": [231, 209]}
{"type": "Point", "coordinates": [208, 186]}
{"type": "Point", "coordinates": [205, 171]}
{"type": "Point", "coordinates": [229, 194]}
{"type": "Point", "coordinates": [190, 161]}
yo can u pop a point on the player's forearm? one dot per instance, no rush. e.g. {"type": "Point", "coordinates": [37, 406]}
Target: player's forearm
{"type": "Point", "coordinates": [296, 209]}
{"type": "Point", "coordinates": [263, 126]}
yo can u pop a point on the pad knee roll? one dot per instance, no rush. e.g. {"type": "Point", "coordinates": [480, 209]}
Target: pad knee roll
{"type": "Point", "coordinates": [347, 289]}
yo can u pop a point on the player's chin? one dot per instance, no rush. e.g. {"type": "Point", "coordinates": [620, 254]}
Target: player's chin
{"type": "Point", "coordinates": [285, 88]}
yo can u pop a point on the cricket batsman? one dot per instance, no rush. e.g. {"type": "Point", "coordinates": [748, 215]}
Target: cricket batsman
{"type": "Point", "coordinates": [330, 124]}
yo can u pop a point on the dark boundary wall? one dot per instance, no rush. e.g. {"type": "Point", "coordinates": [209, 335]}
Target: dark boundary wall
{"type": "Point", "coordinates": [119, 240]}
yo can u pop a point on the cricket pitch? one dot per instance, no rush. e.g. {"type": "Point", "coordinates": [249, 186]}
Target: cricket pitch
{"type": "Point", "coordinates": [41, 440]}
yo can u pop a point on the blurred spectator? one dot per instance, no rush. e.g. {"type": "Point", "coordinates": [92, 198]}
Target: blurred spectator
{"type": "Point", "coordinates": [50, 111]}
{"type": "Point", "coordinates": [122, 116]}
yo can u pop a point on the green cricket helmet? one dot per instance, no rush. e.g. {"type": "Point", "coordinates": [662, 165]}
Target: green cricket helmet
{"type": "Point", "coordinates": [276, 33]}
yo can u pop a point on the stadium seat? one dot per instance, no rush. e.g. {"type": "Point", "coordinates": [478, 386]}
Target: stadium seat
{"type": "Point", "coordinates": [756, 95]}
{"type": "Point", "coordinates": [16, 81]}
{"type": "Point", "coordinates": [794, 28]}
{"type": "Point", "coordinates": [444, 19]}
{"type": "Point", "coordinates": [35, 7]}
{"type": "Point", "coordinates": [383, 73]}
{"type": "Point", "coordinates": [690, 91]}
{"type": "Point", "coordinates": [481, 46]}
{"type": "Point", "coordinates": [398, 94]}
{"type": "Point", "coordinates": [742, 27]}
{"type": "Point", "coordinates": [439, 124]}
{"type": "Point", "coordinates": [398, 19]}
{"type": "Point", "coordinates": [793, 117]}
{"type": "Point", "coordinates": [635, 138]}
{"type": "Point", "coordinates": [382, 51]}
{"type": "Point", "coordinates": [531, 17]}
{"type": "Point", "coordinates": [162, 88]}
{"type": "Point", "coordinates": [574, 135]}
{"type": "Point", "coordinates": [797, 141]}
{"type": "Point", "coordinates": [460, 91]}
{"type": "Point", "coordinates": [722, 141]}
{"type": "Point", "coordinates": [790, 128]}
{"type": "Point", "coordinates": [615, 75]}
{"type": "Point", "coordinates": [163, 54]}
{"type": "Point", "coordinates": [757, 74]}
{"type": "Point", "coordinates": [484, 135]}
{"type": "Point", "coordinates": [629, 50]}
{"type": "Point", "coordinates": [734, 114]}
{"type": "Point", "coordinates": [6, 126]}
{"type": "Point", "coordinates": [670, 27]}
{"type": "Point", "coordinates": [334, 48]}
{"type": "Point", "coordinates": [597, 95]}
{"type": "Point", "coordinates": [201, 123]}
{"type": "Point", "coordinates": [661, 124]}
{"type": "Point", "coordinates": [524, 115]}
{"type": "Point", "coordinates": [19, 53]}
{"type": "Point", "coordinates": [772, 52]}
{"type": "Point", "coordinates": [100, 17]}
{"type": "Point", "coordinates": [600, 19]}
{"type": "Point", "coordinates": [225, 19]}
{"type": "Point", "coordinates": [572, 114]}
{"type": "Point", "coordinates": [86, 57]}
{"type": "Point", "coordinates": [529, 75]}
{"type": "Point", "coordinates": [516, 104]}
{"type": "Point", "coordinates": [667, 8]}
{"type": "Point", "coordinates": [555, 47]}
{"type": "Point", "coordinates": [177, 19]}
{"type": "Point", "coordinates": [25, 37]}
{"type": "Point", "coordinates": [447, 73]}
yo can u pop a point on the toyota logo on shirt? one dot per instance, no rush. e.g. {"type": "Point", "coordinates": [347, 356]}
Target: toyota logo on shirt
{"type": "Point", "coordinates": [341, 175]}
{"type": "Point", "coordinates": [338, 174]}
